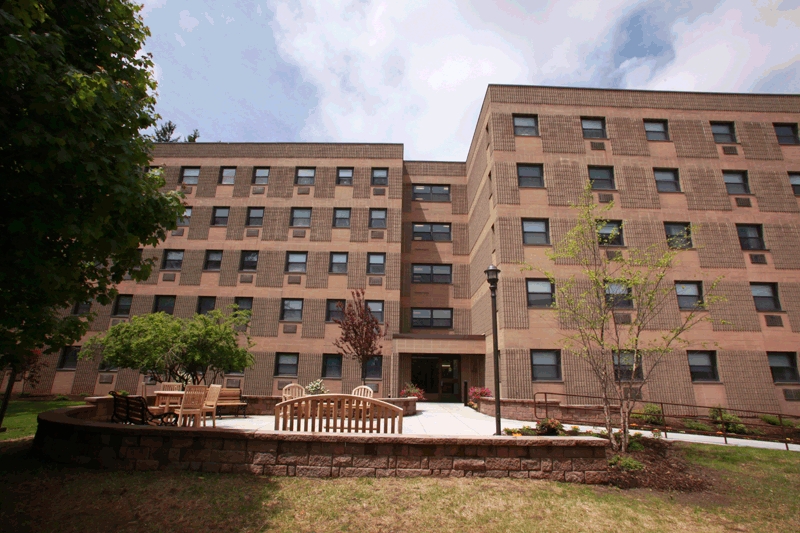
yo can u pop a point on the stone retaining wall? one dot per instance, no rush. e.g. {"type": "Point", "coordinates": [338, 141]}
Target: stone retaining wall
{"type": "Point", "coordinates": [527, 410]}
{"type": "Point", "coordinates": [73, 435]}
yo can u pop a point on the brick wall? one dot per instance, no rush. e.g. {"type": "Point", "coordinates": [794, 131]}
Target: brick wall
{"type": "Point", "coordinates": [627, 136]}
{"type": "Point", "coordinates": [207, 182]}
{"type": "Point", "coordinates": [270, 268]}
{"type": "Point", "coordinates": [229, 269]}
{"type": "Point", "coordinates": [737, 312]}
{"type": "Point", "coordinates": [276, 224]}
{"type": "Point", "coordinates": [155, 256]}
{"type": "Point", "coordinates": [281, 182]}
{"type": "Point", "coordinates": [313, 319]}
{"type": "Point", "coordinates": [317, 275]}
{"type": "Point", "coordinates": [783, 242]}
{"type": "Point", "coordinates": [565, 181]}
{"type": "Point", "coordinates": [458, 197]}
{"type": "Point", "coordinates": [637, 187]}
{"type": "Point", "coordinates": [103, 317]}
{"type": "Point", "coordinates": [670, 382]}
{"type": "Point", "coordinates": [717, 245]}
{"type": "Point", "coordinates": [477, 169]}
{"type": "Point", "coordinates": [200, 222]}
{"type": "Point", "coordinates": [359, 224]}
{"type": "Point", "coordinates": [773, 191]}
{"type": "Point", "coordinates": [502, 130]}
{"type": "Point", "coordinates": [461, 240]}
{"type": "Point", "coordinates": [461, 281]}
{"type": "Point", "coordinates": [321, 224]}
{"type": "Point", "coordinates": [512, 303]}
{"type": "Point", "coordinates": [264, 322]}
{"type": "Point", "coordinates": [258, 378]}
{"type": "Point", "coordinates": [505, 175]}
{"type": "Point", "coordinates": [758, 140]}
{"type": "Point", "coordinates": [86, 375]}
{"type": "Point", "coordinates": [192, 268]}
{"type": "Point", "coordinates": [236, 221]}
{"type": "Point", "coordinates": [562, 134]}
{"type": "Point", "coordinates": [705, 189]}
{"type": "Point", "coordinates": [185, 306]}
{"type": "Point", "coordinates": [746, 376]}
{"type": "Point", "coordinates": [509, 237]}
{"type": "Point", "coordinates": [242, 182]}
{"type": "Point", "coordinates": [325, 182]}
{"type": "Point", "coordinates": [480, 214]}
{"type": "Point", "coordinates": [481, 259]}
{"type": "Point", "coordinates": [693, 138]}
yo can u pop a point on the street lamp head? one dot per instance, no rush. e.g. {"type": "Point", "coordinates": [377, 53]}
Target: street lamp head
{"type": "Point", "coordinates": [492, 273]}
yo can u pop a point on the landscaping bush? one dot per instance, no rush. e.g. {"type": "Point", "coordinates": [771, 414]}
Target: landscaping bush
{"type": "Point", "coordinates": [549, 427]}
{"type": "Point", "coordinates": [60, 398]}
{"type": "Point", "coordinates": [726, 421]}
{"type": "Point", "coordinates": [574, 431]}
{"type": "Point", "coordinates": [526, 431]}
{"type": "Point", "coordinates": [412, 391]}
{"type": "Point", "coordinates": [476, 393]}
{"type": "Point", "coordinates": [316, 387]}
{"type": "Point", "coordinates": [695, 425]}
{"type": "Point", "coordinates": [626, 463]}
{"type": "Point", "coordinates": [774, 421]}
{"type": "Point", "coordinates": [651, 414]}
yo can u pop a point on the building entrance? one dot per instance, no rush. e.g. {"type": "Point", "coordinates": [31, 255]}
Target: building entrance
{"type": "Point", "coordinates": [438, 376]}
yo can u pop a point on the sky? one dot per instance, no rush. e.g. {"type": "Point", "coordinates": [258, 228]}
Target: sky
{"type": "Point", "coordinates": [414, 72]}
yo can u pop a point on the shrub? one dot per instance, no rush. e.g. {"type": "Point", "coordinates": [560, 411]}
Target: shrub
{"type": "Point", "coordinates": [574, 430]}
{"type": "Point", "coordinates": [60, 398]}
{"type": "Point", "coordinates": [635, 446]}
{"type": "Point", "coordinates": [651, 414]}
{"type": "Point", "coordinates": [695, 425]}
{"type": "Point", "coordinates": [412, 391]}
{"type": "Point", "coordinates": [122, 392]}
{"type": "Point", "coordinates": [524, 430]}
{"type": "Point", "coordinates": [726, 421]}
{"type": "Point", "coordinates": [626, 463]}
{"type": "Point", "coordinates": [774, 421]}
{"type": "Point", "coordinates": [549, 426]}
{"type": "Point", "coordinates": [316, 387]}
{"type": "Point", "coordinates": [476, 393]}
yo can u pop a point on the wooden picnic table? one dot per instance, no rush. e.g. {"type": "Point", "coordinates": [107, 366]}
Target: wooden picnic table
{"type": "Point", "coordinates": [170, 399]}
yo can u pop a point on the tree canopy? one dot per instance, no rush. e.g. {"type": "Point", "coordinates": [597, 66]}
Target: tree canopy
{"type": "Point", "coordinates": [361, 332]}
{"type": "Point", "coordinates": [78, 201]}
{"type": "Point", "coordinates": [167, 348]}
{"type": "Point", "coordinates": [165, 134]}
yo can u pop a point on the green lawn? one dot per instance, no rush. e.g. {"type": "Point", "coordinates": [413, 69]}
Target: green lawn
{"type": "Point", "coordinates": [21, 417]}
{"type": "Point", "coordinates": [755, 490]}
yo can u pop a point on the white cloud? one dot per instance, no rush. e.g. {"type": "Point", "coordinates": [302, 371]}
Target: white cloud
{"type": "Point", "coordinates": [208, 18]}
{"type": "Point", "coordinates": [187, 22]}
{"type": "Point", "coordinates": [150, 5]}
{"type": "Point", "coordinates": [180, 39]}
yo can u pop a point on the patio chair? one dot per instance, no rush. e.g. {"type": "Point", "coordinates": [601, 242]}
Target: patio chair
{"type": "Point", "coordinates": [292, 391]}
{"type": "Point", "coordinates": [210, 406]}
{"type": "Point", "coordinates": [194, 399]}
{"type": "Point", "coordinates": [363, 391]}
{"type": "Point", "coordinates": [172, 386]}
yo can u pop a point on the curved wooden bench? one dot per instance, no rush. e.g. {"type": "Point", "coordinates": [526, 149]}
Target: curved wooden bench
{"type": "Point", "coordinates": [338, 413]}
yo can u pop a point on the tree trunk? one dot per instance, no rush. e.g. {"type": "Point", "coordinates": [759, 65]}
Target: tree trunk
{"type": "Point", "coordinates": [7, 396]}
{"type": "Point", "coordinates": [609, 423]}
{"type": "Point", "coordinates": [363, 373]}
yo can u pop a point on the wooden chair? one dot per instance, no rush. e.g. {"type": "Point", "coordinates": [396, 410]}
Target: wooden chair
{"type": "Point", "coordinates": [172, 386]}
{"type": "Point", "coordinates": [292, 391]}
{"type": "Point", "coordinates": [338, 413]}
{"type": "Point", "coordinates": [363, 391]}
{"type": "Point", "coordinates": [210, 407]}
{"type": "Point", "coordinates": [194, 399]}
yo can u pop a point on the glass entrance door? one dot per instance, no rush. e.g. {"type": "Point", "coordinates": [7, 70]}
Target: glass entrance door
{"type": "Point", "coordinates": [448, 378]}
{"type": "Point", "coordinates": [438, 376]}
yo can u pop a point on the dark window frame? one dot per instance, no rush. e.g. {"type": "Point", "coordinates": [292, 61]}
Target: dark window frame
{"type": "Point", "coordinates": [792, 375]}
{"type": "Point", "coordinates": [677, 241]}
{"type": "Point", "coordinates": [431, 235]}
{"type": "Point", "coordinates": [530, 181]}
{"type": "Point", "coordinates": [332, 309]}
{"type": "Point", "coordinates": [206, 299]}
{"type": "Point", "coordinates": [305, 181]}
{"type": "Point", "coordinates": [336, 218]}
{"type": "Point", "coordinates": [625, 372]}
{"type": "Point", "coordinates": [656, 135]}
{"type": "Point", "coordinates": [185, 219]}
{"type": "Point", "coordinates": [790, 139]}
{"type": "Point", "coordinates": [346, 181]}
{"type": "Point", "coordinates": [379, 181]}
{"type": "Point", "coordinates": [206, 261]}
{"type": "Point", "coordinates": [529, 237]}
{"type": "Point", "coordinates": [377, 271]}
{"type": "Point", "coordinates": [432, 320]}
{"type": "Point", "coordinates": [794, 176]}
{"type": "Point", "coordinates": [431, 276]}
{"type": "Point", "coordinates": [377, 222]}
{"type": "Point", "coordinates": [286, 366]}
{"type": "Point", "coordinates": [667, 186]}
{"type": "Point", "coordinates": [328, 357]}
{"type": "Point", "coordinates": [684, 300]}
{"type": "Point", "coordinates": [619, 300]}
{"type": "Point", "coordinates": [766, 303]}
{"type": "Point", "coordinates": [289, 264]}
{"type": "Point", "coordinates": [260, 180]}
{"type": "Point", "coordinates": [430, 195]}
{"type": "Point", "coordinates": [244, 265]}
{"type": "Point", "coordinates": [703, 373]}
{"type": "Point", "coordinates": [284, 310]}
{"type": "Point", "coordinates": [733, 188]}
{"type": "Point", "coordinates": [556, 366]}
{"type": "Point", "coordinates": [254, 221]}
{"type": "Point", "coordinates": [597, 182]}
{"type": "Point", "coordinates": [194, 179]}
{"type": "Point", "coordinates": [370, 368]}
{"type": "Point", "coordinates": [219, 220]}
{"type": "Point", "coordinates": [174, 265]}
{"type": "Point", "coordinates": [379, 315]}
{"type": "Point", "coordinates": [117, 300]}
{"type": "Point", "coordinates": [222, 176]}
{"type": "Point", "coordinates": [81, 308]}
{"type": "Point", "coordinates": [587, 132]}
{"type": "Point", "coordinates": [238, 300]}
{"type": "Point", "coordinates": [331, 262]}
{"type": "Point", "coordinates": [617, 240]}
{"type": "Point", "coordinates": [724, 138]}
{"type": "Point", "coordinates": [68, 358]}
{"type": "Point", "coordinates": [296, 221]}
{"type": "Point", "coordinates": [750, 242]}
{"type": "Point", "coordinates": [534, 304]}
{"type": "Point", "coordinates": [525, 130]}
{"type": "Point", "coordinates": [158, 307]}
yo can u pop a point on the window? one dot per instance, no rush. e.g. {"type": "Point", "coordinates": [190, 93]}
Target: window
{"type": "Point", "coordinates": [344, 176]}
{"type": "Point", "coordinates": [68, 360]}
{"type": "Point", "coordinates": [173, 260]}
{"type": "Point", "coordinates": [206, 304]}
{"type": "Point", "coordinates": [431, 232]}
{"type": "Point", "coordinates": [667, 180]}
{"type": "Point", "coordinates": [431, 273]}
{"type": "Point", "coordinates": [164, 304]}
{"type": "Point", "coordinates": [249, 260]}
{"type": "Point", "coordinates": [213, 260]}
{"type": "Point", "coordinates": [81, 308]}
{"type": "Point", "coordinates": [374, 367]}
{"type": "Point", "coordinates": [703, 366]}
{"type": "Point", "coordinates": [431, 318]}
{"type": "Point", "coordinates": [301, 217]}
{"type": "Point", "coordinates": [530, 176]}
{"type": "Point", "coordinates": [255, 216]}
{"type": "Point", "coordinates": [618, 296]}
{"type": "Point", "coordinates": [331, 366]}
{"type": "Point", "coordinates": [376, 263]}
{"type": "Point", "coordinates": [624, 363]}
{"type": "Point", "coordinates": [751, 236]}
{"type": "Point", "coordinates": [593, 128]}
{"type": "Point", "coordinates": [786, 133]}
{"type": "Point", "coordinates": [602, 178]}
{"type": "Point", "coordinates": [610, 234]}
{"type": "Point", "coordinates": [765, 296]}
{"type": "Point", "coordinates": [341, 218]}
{"type": "Point", "coordinates": [690, 294]}
{"type": "Point", "coordinates": [338, 263]}
{"type": "Point", "coordinates": [656, 130]}
{"type": "Point", "coordinates": [794, 180]}
{"type": "Point", "coordinates": [291, 310]}
{"type": "Point", "coordinates": [261, 176]}
{"type": "Point", "coordinates": [186, 218]}
{"type": "Point", "coordinates": [286, 364]}
{"type": "Point", "coordinates": [535, 232]}
{"type": "Point", "coordinates": [377, 218]}
{"type": "Point", "coordinates": [122, 306]}
{"type": "Point", "coordinates": [305, 176]}
{"type": "Point", "coordinates": [380, 176]}
{"type": "Point", "coordinates": [220, 217]}
{"type": "Point", "coordinates": [679, 235]}
{"type": "Point", "coordinates": [334, 310]}
{"type": "Point", "coordinates": [783, 366]}
{"type": "Point", "coordinates": [190, 176]}
{"type": "Point", "coordinates": [546, 365]}
{"type": "Point", "coordinates": [296, 261]}
{"type": "Point", "coordinates": [723, 132]}
{"type": "Point", "coordinates": [376, 308]}
{"type": "Point", "coordinates": [526, 126]}
{"type": "Point", "coordinates": [736, 182]}
{"type": "Point", "coordinates": [431, 193]}
{"type": "Point", "coordinates": [244, 303]}
{"type": "Point", "coordinates": [227, 176]}
{"type": "Point", "coordinates": [540, 293]}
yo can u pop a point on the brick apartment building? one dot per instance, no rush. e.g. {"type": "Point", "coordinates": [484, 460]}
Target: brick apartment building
{"type": "Point", "coordinates": [289, 229]}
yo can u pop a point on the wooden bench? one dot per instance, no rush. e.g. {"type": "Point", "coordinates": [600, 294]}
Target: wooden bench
{"type": "Point", "coordinates": [232, 398]}
{"type": "Point", "coordinates": [134, 410]}
{"type": "Point", "coordinates": [338, 413]}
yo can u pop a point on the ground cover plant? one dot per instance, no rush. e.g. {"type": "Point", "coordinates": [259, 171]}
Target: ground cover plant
{"type": "Point", "coordinates": [21, 416]}
{"type": "Point", "coordinates": [750, 490]}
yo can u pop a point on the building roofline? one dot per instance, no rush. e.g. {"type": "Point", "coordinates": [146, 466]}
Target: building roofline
{"type": "Point", "coordinates": [647, 91]}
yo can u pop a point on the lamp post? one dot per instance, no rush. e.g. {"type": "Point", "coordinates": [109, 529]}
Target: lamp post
{"type": "Point", "coordinates": [492, 274]}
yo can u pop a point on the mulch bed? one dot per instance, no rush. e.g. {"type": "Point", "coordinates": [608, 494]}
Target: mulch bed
{"type": "Point", "coordinates": [664, 469]}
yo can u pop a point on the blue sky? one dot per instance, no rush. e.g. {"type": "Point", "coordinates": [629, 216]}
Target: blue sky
{"type": "Point", "coordinates": [416, 72]}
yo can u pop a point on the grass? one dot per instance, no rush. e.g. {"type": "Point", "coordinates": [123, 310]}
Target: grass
{"type": "Point", "coordinates": [20, 419]}
{"type": "Point", "coordinates": [757, 490]}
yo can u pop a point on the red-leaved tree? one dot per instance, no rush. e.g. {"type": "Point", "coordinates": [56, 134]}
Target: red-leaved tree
{"type": "Point", "coordinates": [361, 334]}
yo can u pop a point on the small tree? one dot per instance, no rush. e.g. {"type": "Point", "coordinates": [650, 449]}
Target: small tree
{"type": "Point", "coordinates": [612, 307]}
{"type": "Point", "coordinates": [361, 333]}
{"type": "Point", "coordinates": [167, 348]}
{"type": "Point", "coordinates": [164, 134]}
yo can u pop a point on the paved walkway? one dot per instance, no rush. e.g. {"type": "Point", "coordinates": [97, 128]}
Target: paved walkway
{"type": "Point", "coordinates": [455, 419]}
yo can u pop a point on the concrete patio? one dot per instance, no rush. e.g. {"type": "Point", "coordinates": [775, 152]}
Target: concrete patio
{"type": "Point", "coordinates": [456, 419]}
